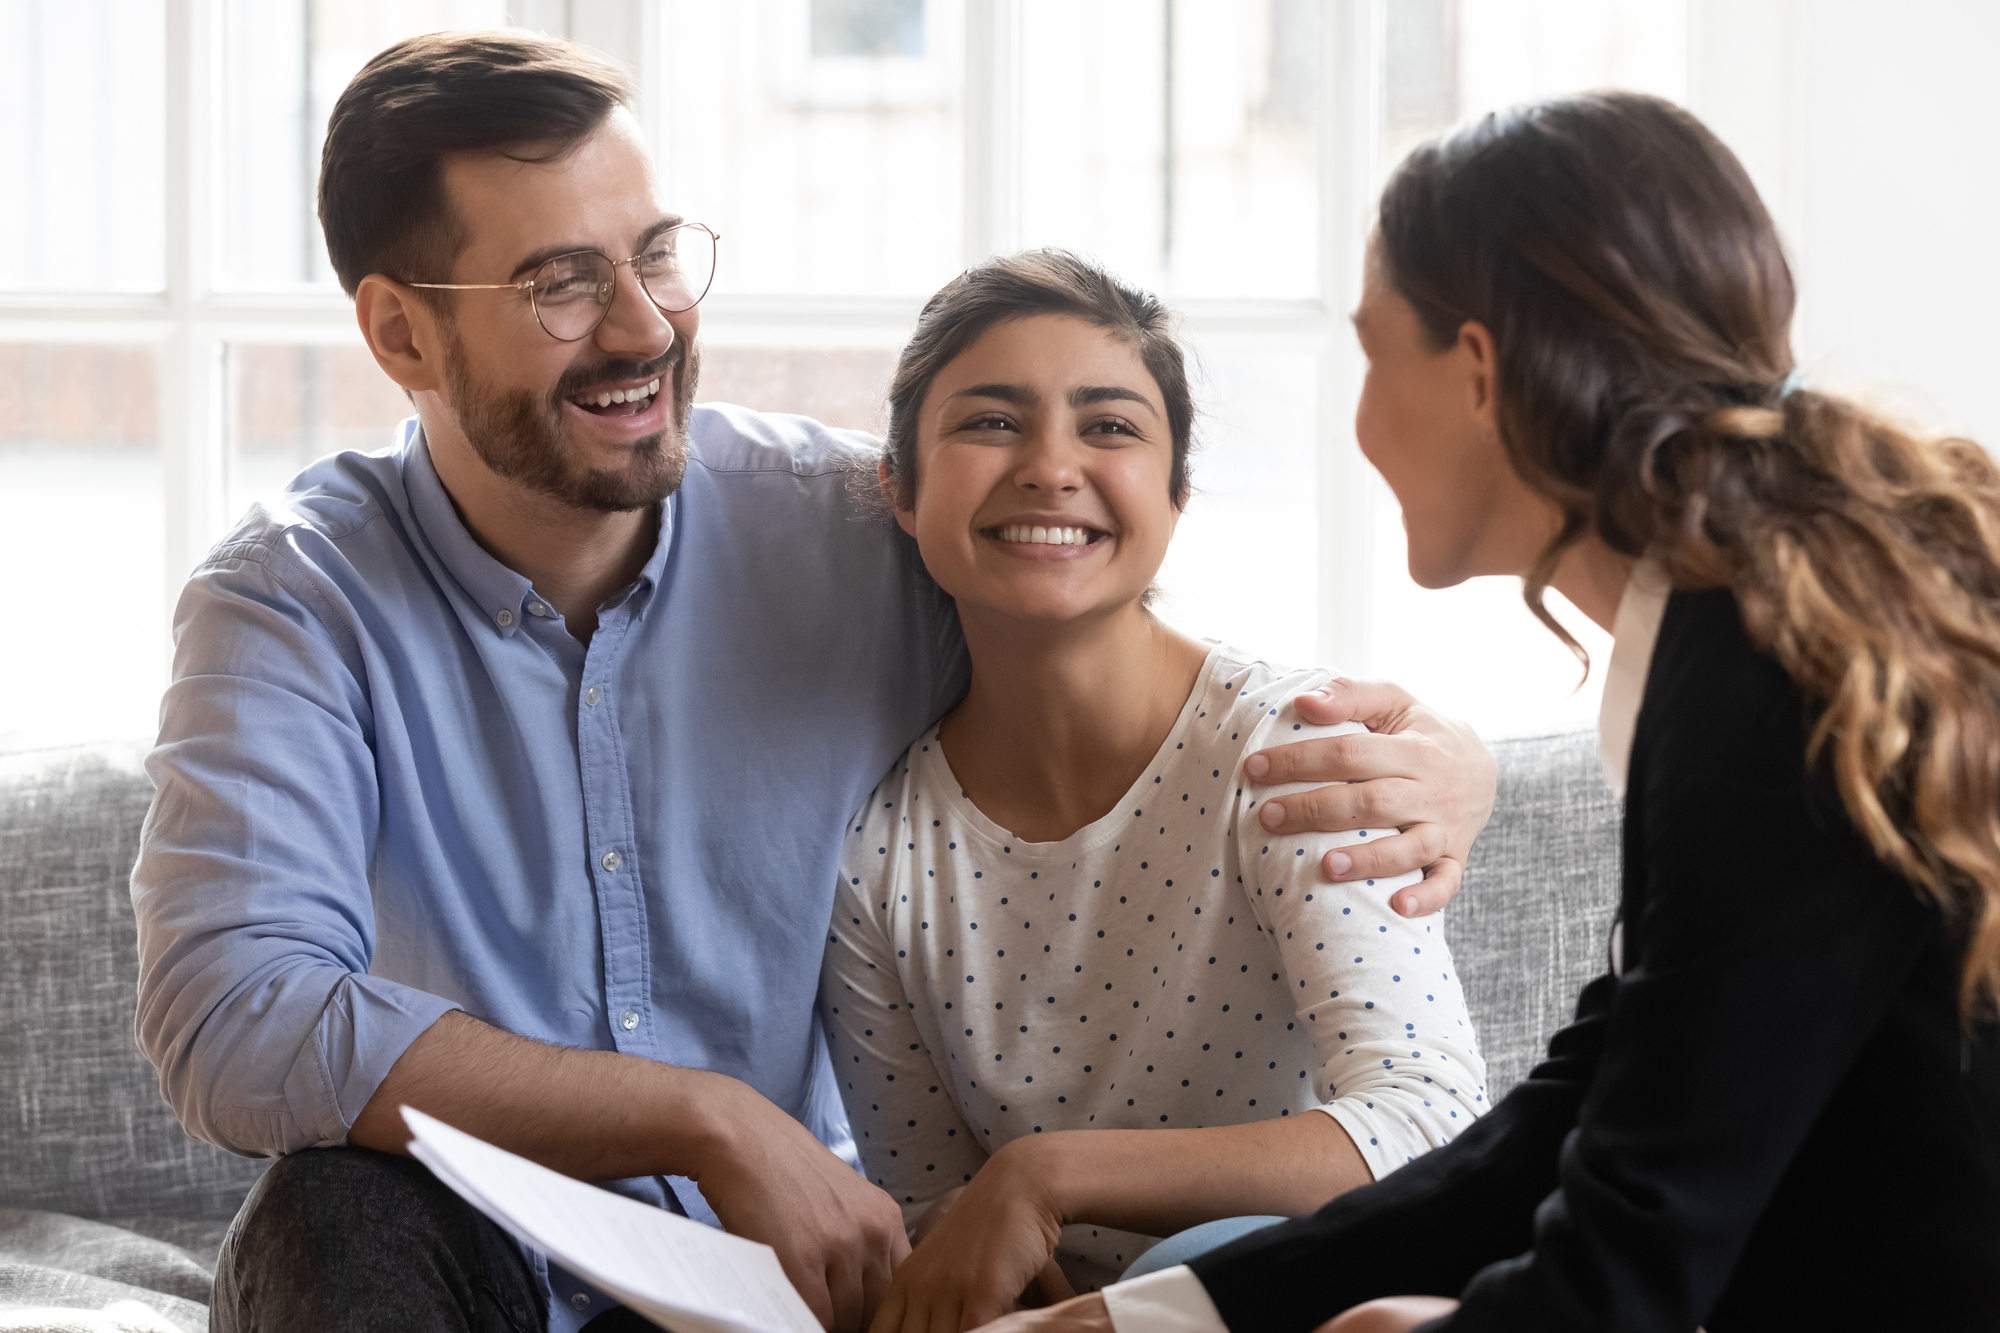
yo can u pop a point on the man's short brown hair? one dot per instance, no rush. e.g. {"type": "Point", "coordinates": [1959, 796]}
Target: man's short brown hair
{"type": "Point", "coordinates": [382, 200]}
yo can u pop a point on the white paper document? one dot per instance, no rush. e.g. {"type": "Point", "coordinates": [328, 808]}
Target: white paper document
{"type": "Point", "coordinates": [679, 1274]}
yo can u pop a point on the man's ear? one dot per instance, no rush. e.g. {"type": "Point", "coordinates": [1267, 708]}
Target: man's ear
{"type": "Point", "coordinates": [401, 332]}
{"type": "Point", "coordinates": [906, 519]}
{"type": "Point", "coordinates": [1475, 348]}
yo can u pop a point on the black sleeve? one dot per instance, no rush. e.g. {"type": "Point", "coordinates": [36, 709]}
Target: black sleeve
{"type": "Point", "coordinates": [1766, 945]}
{"type": "Point", "coordinates": [1429, 1226]}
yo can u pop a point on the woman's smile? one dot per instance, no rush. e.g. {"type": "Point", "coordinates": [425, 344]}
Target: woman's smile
{"type": "Point", "coordinates": [1047, 537]}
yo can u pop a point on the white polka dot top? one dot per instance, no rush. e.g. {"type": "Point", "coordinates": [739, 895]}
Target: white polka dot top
{"type": "Point", "coordinates": [1169, 965]}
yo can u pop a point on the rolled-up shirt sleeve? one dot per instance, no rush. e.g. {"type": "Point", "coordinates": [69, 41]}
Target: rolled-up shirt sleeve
{"type": "Point", "coordinates": [251, 889]}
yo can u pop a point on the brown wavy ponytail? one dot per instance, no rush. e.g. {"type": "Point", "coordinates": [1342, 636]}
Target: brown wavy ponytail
{"type": "Point", "coordinates": [1640, 307]}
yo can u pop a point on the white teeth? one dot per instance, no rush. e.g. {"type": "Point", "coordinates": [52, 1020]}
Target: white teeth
{"type": "Point", "coordinates": [606, 397]}
{"type": "Point", "coordinates": [1020, 532]}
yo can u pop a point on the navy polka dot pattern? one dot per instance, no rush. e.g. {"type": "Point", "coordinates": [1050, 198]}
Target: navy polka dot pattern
{"type": "Point", "coordinates": [1170, 965]}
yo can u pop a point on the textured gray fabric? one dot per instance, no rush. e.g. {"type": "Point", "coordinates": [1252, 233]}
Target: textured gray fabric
{"type": "Point", "coordinates": [62, 1273]}
{"type": "Point", "coordinates": [83, 1129]}
{"type": "Point", "coordinates": [1533, 921]}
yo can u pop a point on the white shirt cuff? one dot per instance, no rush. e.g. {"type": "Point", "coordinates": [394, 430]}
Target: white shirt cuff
{"type": "Point", "coordinates": [1169, 1301]}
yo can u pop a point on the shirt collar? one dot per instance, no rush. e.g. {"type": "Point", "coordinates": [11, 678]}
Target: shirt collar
{"type": "Point", "coordinates": [1633, 633]}
{"type": "Point", "coordinates": [503, 594]}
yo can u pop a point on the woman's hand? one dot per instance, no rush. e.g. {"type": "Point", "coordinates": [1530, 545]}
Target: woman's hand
{"type": "Point", "coordinates": [1085, 1314]}
{"type": "Point", "coordinates": [980, 1249]}
{"type": "Point", "coordinates": [1417, 771]}
{"type": "Point", "coordinates": [1391, 1314]}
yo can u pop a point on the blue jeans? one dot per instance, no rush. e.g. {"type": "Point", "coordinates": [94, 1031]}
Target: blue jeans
{"type": "Point", "coordinates": [1185, 1245]}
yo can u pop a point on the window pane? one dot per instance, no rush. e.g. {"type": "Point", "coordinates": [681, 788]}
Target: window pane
{"type": "Point", "coordinates": [80, 468]}
{"type": "Point", "coordinates": [82, 140]}
{"type": "Point", "coordinates": [1176, 142]}
{"type": "Point", "coordinates": [840, 386]}
{"type": "Point", "coordinates": [289, 405]}
{"type": "Point", "coordinates": [822, 138]}
{"type": "Point", "coordinates": [285, 62]}
{"type": "Point", "coordinates": [1241, 565]}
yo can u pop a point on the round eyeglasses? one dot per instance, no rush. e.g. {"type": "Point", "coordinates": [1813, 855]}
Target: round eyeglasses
{"type": "Point", "coordinates": [571, 294]}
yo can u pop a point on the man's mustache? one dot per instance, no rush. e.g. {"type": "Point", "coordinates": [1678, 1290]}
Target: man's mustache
{"type": "Point", "coordinates": [578, 378]}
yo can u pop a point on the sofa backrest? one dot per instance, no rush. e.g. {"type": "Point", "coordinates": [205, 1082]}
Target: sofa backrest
{"type": "Point", "coordinates": [83, 1129]}
{"type": "Point", "coordinates": [1533, 921]}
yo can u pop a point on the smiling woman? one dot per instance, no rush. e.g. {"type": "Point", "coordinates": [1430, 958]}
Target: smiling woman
{"type": "Point", "coordinates": [1080, 996]}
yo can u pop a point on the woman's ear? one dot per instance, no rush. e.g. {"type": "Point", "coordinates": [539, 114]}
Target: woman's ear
{"type": "Point", "coordinates": [1476, 351]}
{"type": "Point", "coordinates": [906, 519]}
{"type": "Point", "coordinates": [401, 332]}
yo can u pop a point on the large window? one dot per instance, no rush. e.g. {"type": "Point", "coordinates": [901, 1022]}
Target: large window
{"type": "Point", "coordinates": [172, 346]}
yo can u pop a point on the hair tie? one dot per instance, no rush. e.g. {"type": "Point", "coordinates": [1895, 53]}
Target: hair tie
{"type": "Point", "coordinates": [1791, 384]}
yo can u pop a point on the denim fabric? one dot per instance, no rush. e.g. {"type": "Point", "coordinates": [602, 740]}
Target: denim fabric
{"type": "Point", "coordinates": [392, 783]}
{"type": "Point", "coordinates": [1185, 1245]}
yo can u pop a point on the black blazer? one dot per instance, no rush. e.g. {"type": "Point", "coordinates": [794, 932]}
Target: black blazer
{"type": "Point", "coordinates": [1773, 1119]}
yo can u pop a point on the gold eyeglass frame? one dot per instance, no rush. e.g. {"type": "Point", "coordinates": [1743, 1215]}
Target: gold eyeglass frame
{"type": "Point", "coordinates": [604, 307]}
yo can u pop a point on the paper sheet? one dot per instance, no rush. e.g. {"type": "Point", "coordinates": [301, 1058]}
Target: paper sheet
{"type": "Point", "coordinates": [679, 1274]}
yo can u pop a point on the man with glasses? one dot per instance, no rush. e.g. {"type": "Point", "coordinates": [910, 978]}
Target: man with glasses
{"type": "Point", "coordinates": [504, 771]}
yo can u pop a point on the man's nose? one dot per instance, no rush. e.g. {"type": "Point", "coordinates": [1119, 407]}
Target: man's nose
{"type": "Point", "coordinates": [634, 327]}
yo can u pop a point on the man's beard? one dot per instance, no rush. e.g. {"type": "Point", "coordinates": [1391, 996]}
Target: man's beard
{"type": "Point", "coordinates": [527, 440]}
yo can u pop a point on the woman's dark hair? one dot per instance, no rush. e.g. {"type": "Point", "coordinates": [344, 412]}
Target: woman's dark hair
{"type": "Point", "coordinates": [382, 200]}
{"type": "Point", "coordinates": [1640, 309]}
{"type": "Point", "coordinates": [1035, 282]}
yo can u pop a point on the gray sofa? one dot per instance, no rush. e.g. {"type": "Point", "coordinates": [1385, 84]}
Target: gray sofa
{"type": "Point", "coordinates": [110, 1216]}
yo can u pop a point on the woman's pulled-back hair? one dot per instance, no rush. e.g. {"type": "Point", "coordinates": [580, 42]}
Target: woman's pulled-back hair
{"type": "Point", "coordinates": [1640, 308]}
{"type": "Point", "coordinates": [1035, 282]}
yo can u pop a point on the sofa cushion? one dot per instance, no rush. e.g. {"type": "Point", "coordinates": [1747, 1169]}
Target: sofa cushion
{"type": "Point", "coordinates": [65, 1275]}
{"type": "Point", "coordinates": [83, 1129]}
{"type": "Point", "coordinates": [1533, 920]}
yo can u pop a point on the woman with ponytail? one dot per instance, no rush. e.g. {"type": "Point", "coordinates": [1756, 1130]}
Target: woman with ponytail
{"type": "Point", "coordinates": [1780, 1107]}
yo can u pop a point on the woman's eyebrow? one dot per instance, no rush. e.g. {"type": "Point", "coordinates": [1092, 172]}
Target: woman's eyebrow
{"type": "Point", "coordinates": [1017, 394]}
{"type": "Point", "coordinates": [1088, 395]}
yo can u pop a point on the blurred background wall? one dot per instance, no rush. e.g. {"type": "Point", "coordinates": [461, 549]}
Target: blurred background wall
{"type": "Point", "coordinates": [172, 346]}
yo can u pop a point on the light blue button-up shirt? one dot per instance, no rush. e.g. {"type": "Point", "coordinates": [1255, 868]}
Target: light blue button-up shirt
{"type": "Point", "coordinates": [392, 784]}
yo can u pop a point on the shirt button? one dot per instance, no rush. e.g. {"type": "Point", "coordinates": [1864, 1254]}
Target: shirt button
{"type": "Point", "coordinates": [628, 1020]}
{"type": "Point", "coordinates": [592, 695]}
{"type": "Point", "coordinates": [537, 609]}
{"type": "Point", "coordinates": [579, 1302]}
{"type": "Point", "coordinates": [612, 861]}
{"type": "Point", "coordinates": [504, 616]}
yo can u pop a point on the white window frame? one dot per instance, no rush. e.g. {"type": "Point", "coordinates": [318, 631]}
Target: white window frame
{"type": "Point", "coordinates": [191, 322]}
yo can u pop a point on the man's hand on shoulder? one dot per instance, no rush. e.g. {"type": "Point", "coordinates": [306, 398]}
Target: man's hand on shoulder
{"type": "Point", "coordinates": [1416, 770]}
{"type": "Point", "coordinates": [838, 1237]}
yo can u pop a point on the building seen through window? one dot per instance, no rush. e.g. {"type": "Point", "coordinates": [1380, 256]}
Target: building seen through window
{"type": "Point", "coordinates": [868, 28]}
